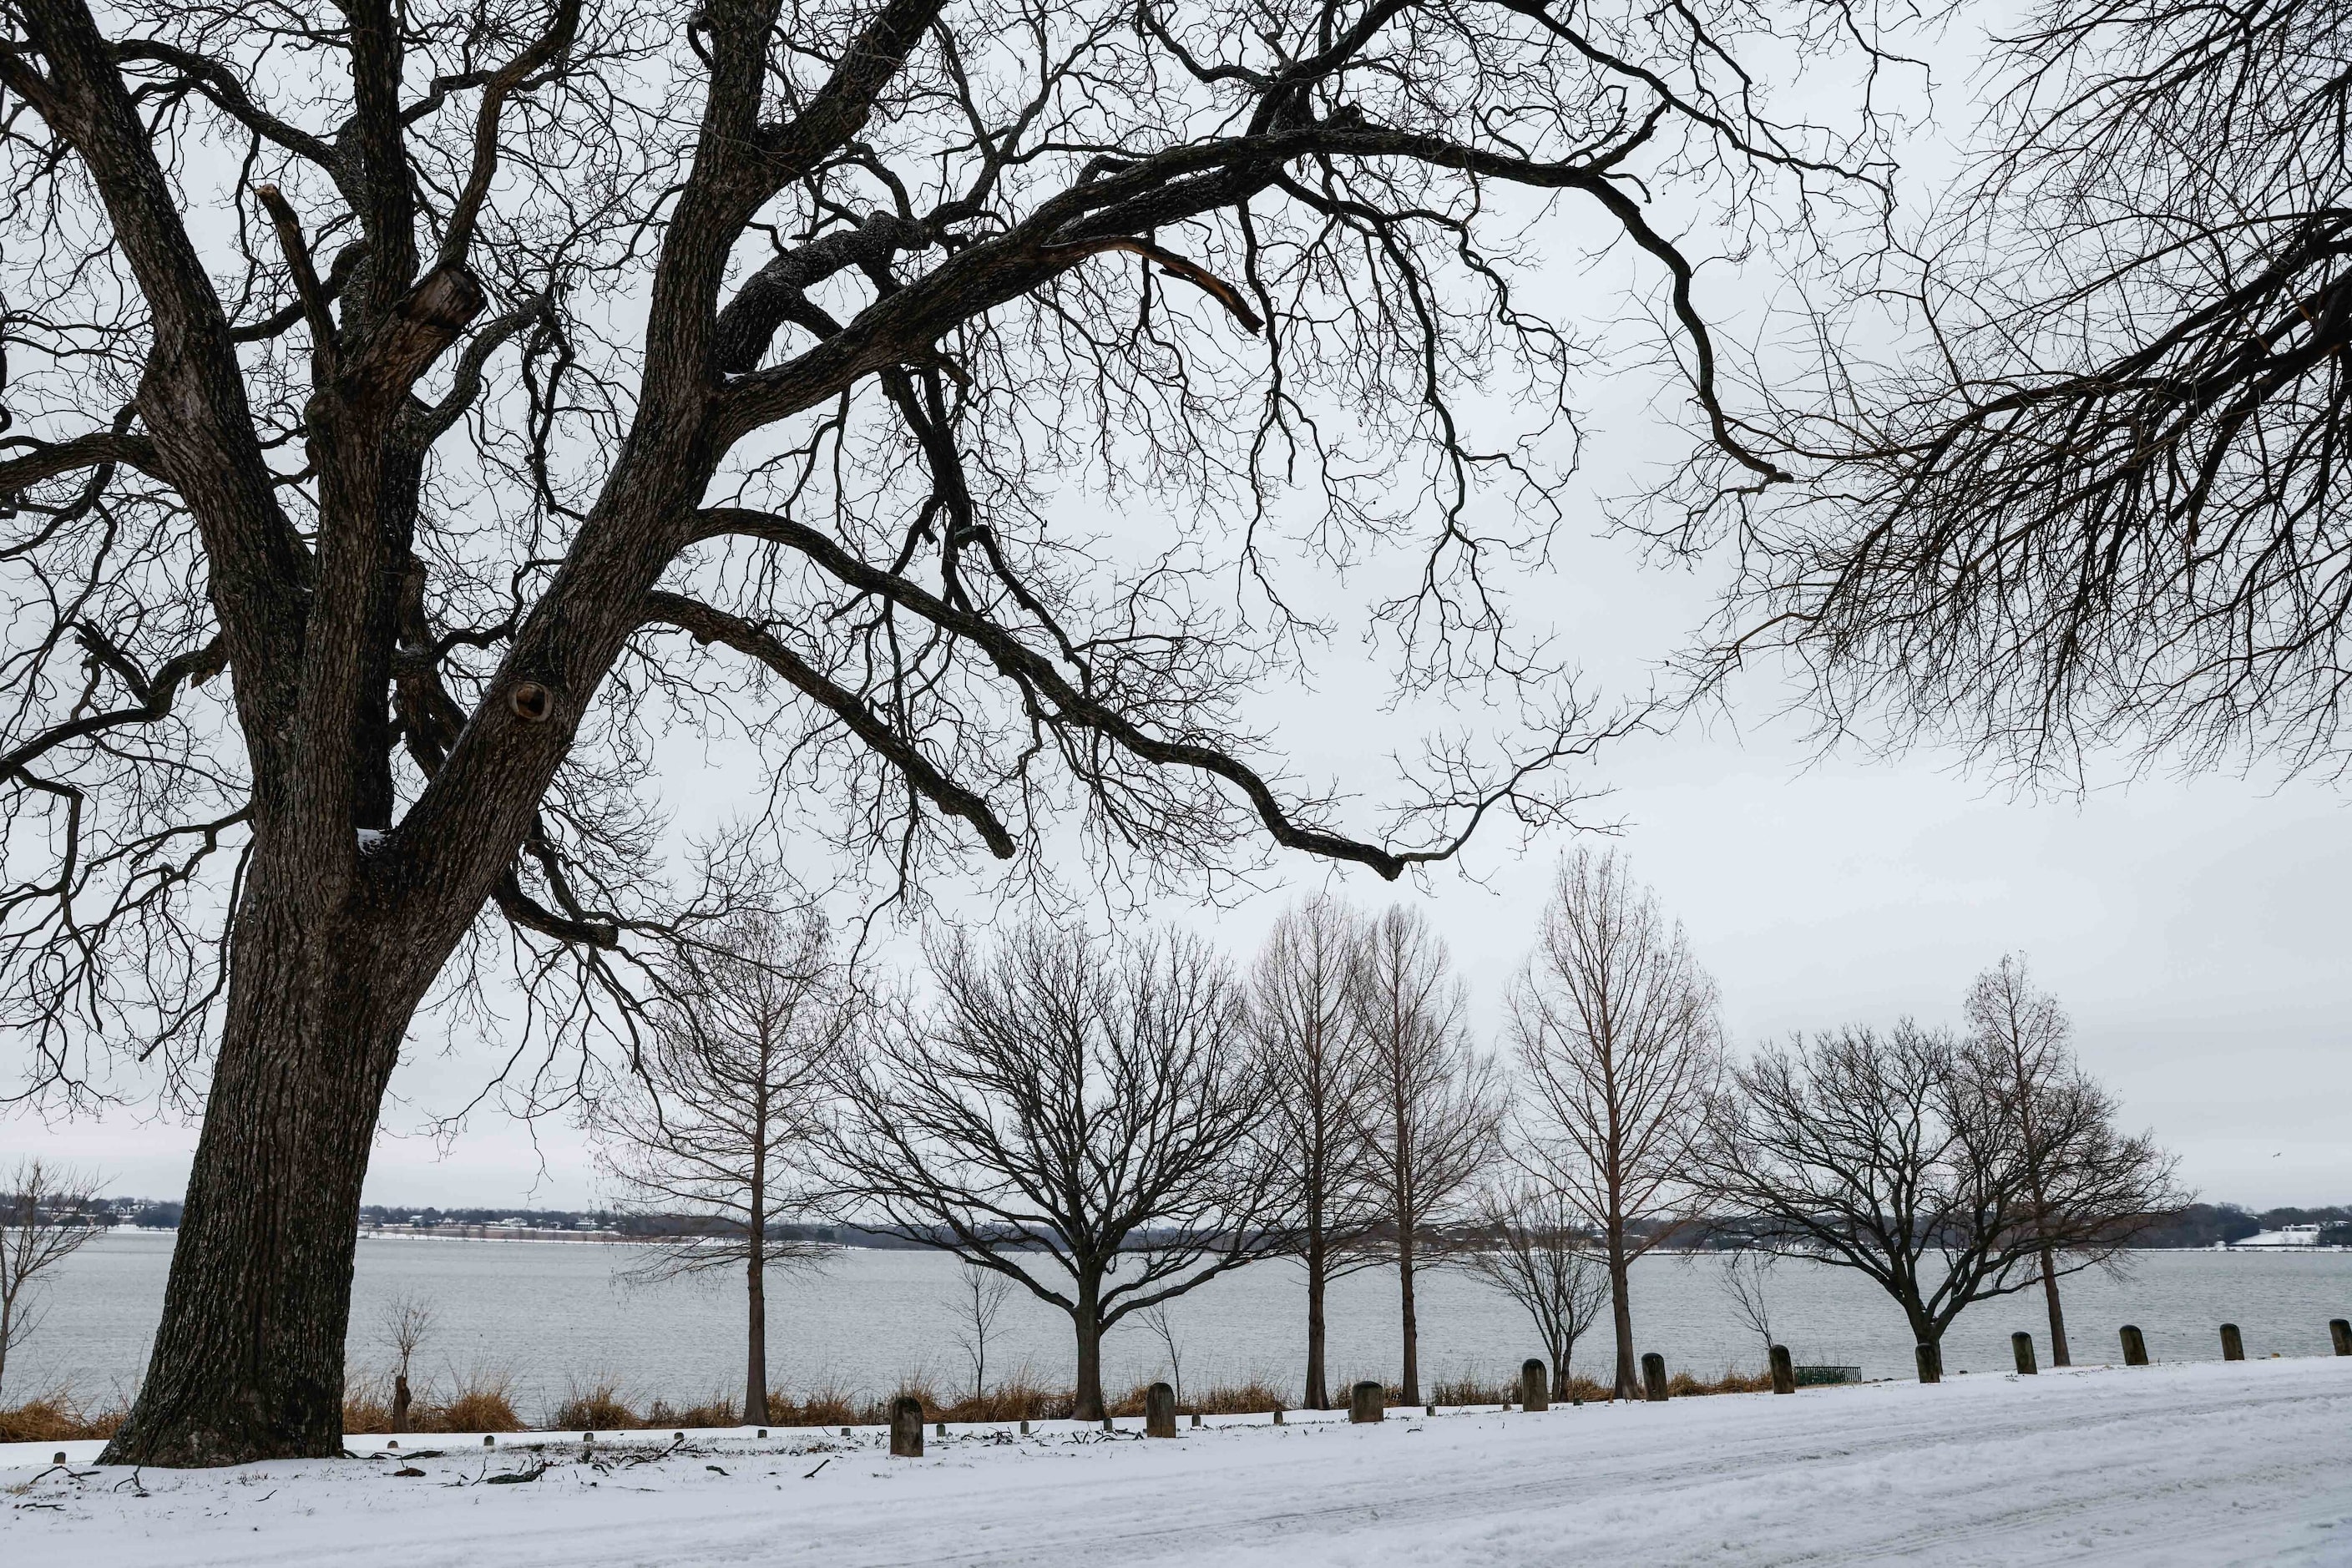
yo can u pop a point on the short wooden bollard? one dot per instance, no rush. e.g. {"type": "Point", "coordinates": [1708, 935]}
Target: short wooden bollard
{"type": "Point", "coordinates": [1159, 1411]}
{"type": "Point", "coordinates": [2022, 1343]}
{"type": "Point", "coordinates": [1367, 1402]}
{"type": "Point", "coordinates": [1784, 1371]}
{"type": "Point", "coordinates": [1653, 1378]}
{"type": "Point", "coordinates": [1930, 1359]}
{"type": "Point", "coordinates": [1109, 1424]}
{"type": "Point", "coordinates": [1278, 1415]}
{"type": "Point", "coordinates": [1024, 1430]}
{"type": "Point", "coordinates": [2234, 1344]}
{"type": "Point", "coordinates": [905, 1427]}
{"type": "Point", "coordinates": [1535, 1384]}
{"type": "Point", "coordinates": [2341, 1330]}
{"type": "Point", "coordinates": [1196, 1418]}
{"type": "Point", "coordinates": [940, 1430]}
{"type": "Point", "coordinates": [2134, 1346]}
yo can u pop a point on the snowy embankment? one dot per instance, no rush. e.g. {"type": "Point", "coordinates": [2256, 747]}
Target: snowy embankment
{"type": "Point", "coordinates": [2233, 1463]}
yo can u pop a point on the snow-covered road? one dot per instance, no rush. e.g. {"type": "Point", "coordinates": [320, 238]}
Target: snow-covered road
{"type": "Point", "coordinates": [2204, 1465]}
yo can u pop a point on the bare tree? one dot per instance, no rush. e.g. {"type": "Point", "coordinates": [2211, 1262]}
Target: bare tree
{"type": "Point", "coordinates": [542, 378]}
{"type": "Point", "coordinates": [2064, 1125]}
{"type": "Point", "coordinates": [978, 1302]}
{"type": "Point", "coordinates": [1432, 1105]}
{"type": "Point", "coordinates": [1078, 1114]}
{"type": "Point", "coordinates": [1891, 1154]}
{"type": "Point", "coordinates": [2021, 1034]}
{"type": "Point", "coordinates": [1532, 1244]}
{"type": "Point", "coordinates": [2094, 499]}
{"type": "Point", "coordinates": [734, 1091]}
{"type": "Point", "coordinates": [1317, 1062]}
{"type": "Point", "coordinates": [1619, 1047]}
{"type": "Point", "coordinates": [407, 1319]}
{"type": "Point", "coordinates": [46, 1217]}
{"type": "Point", "coordinates": [1162, 1326]}
{"type": "Point", "coordinates": [1743, 1273]}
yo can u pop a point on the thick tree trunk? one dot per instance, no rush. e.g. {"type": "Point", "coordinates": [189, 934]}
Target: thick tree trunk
{"type": "Point", "coordinates": [2058, 1357]}
{"type": "Point", "coordinates": [247, 1362]}
{"type": "Point", "coordinates": [1088, 1318]}
{"type": "Point", "coordinates": [1318, 1395]}
{"type": "Point", "coordinates": [1411, 1317]}
{"type": "Point", "coordinates": [1620, 1316]}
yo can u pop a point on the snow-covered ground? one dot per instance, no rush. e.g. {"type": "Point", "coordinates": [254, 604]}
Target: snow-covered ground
{"type": "Point", "coordinates": [2241, 1463]}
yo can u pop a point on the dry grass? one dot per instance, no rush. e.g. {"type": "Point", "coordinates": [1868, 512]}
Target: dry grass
{"type": "Point", "coordinates": [1733, 1381]}
{"type": "Point", "coordinates": [484, 1402]}
{"type": "Point", "coordinates": [57, 1416]}
{"type": "Point", "coordinates": [595, 1407]}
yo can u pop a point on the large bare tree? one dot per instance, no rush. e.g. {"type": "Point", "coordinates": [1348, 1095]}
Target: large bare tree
{"type": "Point", "coordinates": [1892, 1154]}
{"type": "Point", "coordinates": [1431, 1107]}
{"type": "Point", "coordinates": [412, 412]}
{"type": "Point", "coordinates": [1319, 1080]}
{"type": "Point", "coordinates": [734, 1091]}
{"type": "Point", "coordinates": [2094, 499]}
{"type": "Point", "coordinates": [1079, 1114]}
{"type": "Point", "coordinates": [1619, 1047]}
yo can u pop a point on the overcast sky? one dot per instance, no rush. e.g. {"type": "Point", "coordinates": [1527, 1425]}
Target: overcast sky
{"type": "Point", "coordinates": [2197, 929]}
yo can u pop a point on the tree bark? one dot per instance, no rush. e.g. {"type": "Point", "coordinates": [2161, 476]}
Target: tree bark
{"type": "Point", "coordinates": [247, 1362]}
{"type": "Point", "coordinates": [755, 1249]}
{"type": "Point", "coordinates": [1088, 1318]}
{"type": "Point", "coordinates": [2058, 1357]}
{"type": "Point", "coordinates": [1411, 1317]}
{"type": "Point", "coordinates": [1318, 1395]}
{"type": "Point", "coordinates": [1621, 1315]}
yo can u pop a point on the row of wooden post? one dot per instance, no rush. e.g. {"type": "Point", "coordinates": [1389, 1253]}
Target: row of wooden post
{"type": "Point", "coordinates": [1368, 1400]}
{"type": "Point", "coordinates": [2234, 1344]}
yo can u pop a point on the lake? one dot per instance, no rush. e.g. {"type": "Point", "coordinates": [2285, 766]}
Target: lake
{"type": "Point", "coordinates": [548, 1314]}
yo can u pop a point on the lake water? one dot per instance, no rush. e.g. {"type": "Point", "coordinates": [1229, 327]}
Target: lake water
{"type": "Point", "coordinates": [547, 1313]}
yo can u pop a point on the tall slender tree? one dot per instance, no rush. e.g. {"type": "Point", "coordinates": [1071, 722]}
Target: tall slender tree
{"type": "Point", "coordinates": [1432, 1103]}
{"type": "Point", "coordinates": [412, 412]}
{"type": "Point", "coordinates": [1619, 1048]}
{"type": "Point", "coordinates": [2021, 1034]}
{"type": "Point", "coordinates": [734, 1093]}
{"type": "Point", "coordinates": [1318, 1074]}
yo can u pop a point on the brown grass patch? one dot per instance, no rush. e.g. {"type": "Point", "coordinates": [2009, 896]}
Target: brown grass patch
{"type": "Point", "coordinates": [484, 1402]}
{"type": "Point", "coordinates": [596, 1407]}
{"type": "Point", "coordinates": [57, 1416]}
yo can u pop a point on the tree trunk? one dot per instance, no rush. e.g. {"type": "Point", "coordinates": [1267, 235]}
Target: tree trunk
{"type": "Point", "coordinates": [755, 1361]}
{"type": "Point", "coordinates": [2058, 1357]}
{"type": "Point", "coordinates": [247, 1361]}
{"type": "Point", "coordinates": [1088, 1318]}
{"type": "Point", "coordinates": [1412, 1319]}
{"type": "Point", "coordinates": [1318, 1395]}
{"type": "Point", "coordinates": [1620, 1316]}
{"type": "Point", "coordinates": [1560, 1386]}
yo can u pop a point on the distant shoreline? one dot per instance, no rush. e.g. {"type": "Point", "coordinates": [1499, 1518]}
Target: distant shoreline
{"type": "Point", "coordinates": [482, 1232]}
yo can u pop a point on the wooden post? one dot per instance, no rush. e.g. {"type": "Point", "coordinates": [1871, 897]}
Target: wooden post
{"type": "Point", "coordinates": [1931, 1361]}
{"type": "Point", "coordinates": [1535, 1384]}
{"type": "Point", "coordinates": [1784, 1371]}
{"type": "Point", "coordinates": [1108, 1424]}
{"type": "Point", "coordinates": [905, 1427]}
{"type": "Point", "coordinates": [2021, 1345]}
{"type": "Point", "coordinates": [1367, 1402]}
{"type": "Point", "coordinates": [1196, 1418]}
{"type": "Point", "coordinates": [1024, 1429]}
{"type": "Point", "coordinates": [1159, 1411]}
{"type": "Point", "coordinates": [1653, 1378]}
{"type": "Point", "coordinates": [942, 1429]}
{"type": "Point", "coordinates": [2234, 1344]}
{"type": "Point", "coordinates": [1278, 1415]}
{"type": "Point", "coordinates": [2134, 1346]}
{"type": "Point", "coordinates": [2341, 1330]}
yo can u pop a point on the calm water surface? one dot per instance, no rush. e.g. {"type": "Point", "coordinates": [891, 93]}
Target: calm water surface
{"type": "Point", "coordinates": [548, 1313]}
